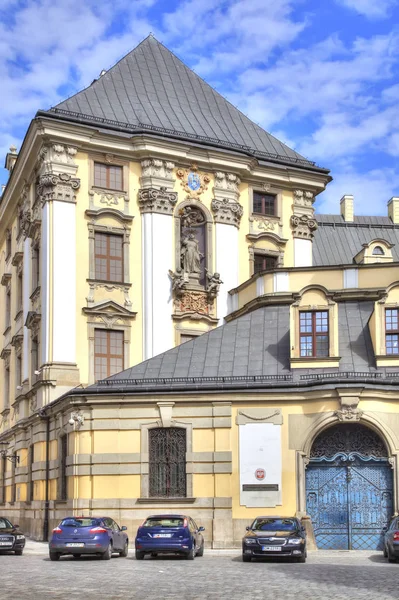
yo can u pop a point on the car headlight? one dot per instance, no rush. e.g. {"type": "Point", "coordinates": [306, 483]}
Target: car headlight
{"type": "Point", "coordinates": [20, 537]}
{"type": "Point", "coordinates": [250, 541]}
{"type": "Point", "coordinates": [295, 541]}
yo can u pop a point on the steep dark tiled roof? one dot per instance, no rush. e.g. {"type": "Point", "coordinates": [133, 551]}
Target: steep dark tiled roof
{"type": "Point", "coordinates": [151, 90]}
{"type": "Point", "coordinates": [255, 345]}
{"type": "Point", "coordinates": [337, 242]}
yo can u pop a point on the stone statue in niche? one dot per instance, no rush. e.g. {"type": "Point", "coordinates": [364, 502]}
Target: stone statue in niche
{"type": "Point", "coordinates": [213, 285]}
{"type": "Point", "coordinates": [191, 256]}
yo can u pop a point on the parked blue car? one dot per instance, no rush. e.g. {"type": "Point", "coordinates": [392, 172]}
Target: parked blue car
{"type": "Point", "coordinates": [88, 535]}
{"type": "Point", "coordinates": [391, 540]}
{"type": "Point", "coordinates": [176, 534]}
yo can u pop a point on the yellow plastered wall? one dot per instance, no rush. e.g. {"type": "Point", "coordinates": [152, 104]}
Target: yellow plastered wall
{"type": "Point", "coordinates": [53, 489]}
{"type": "Point", "coordinates": [53, 450]}
{"type": "Point", "coordinates": [122, 441]}
{"type": "Point", "coordinates": [39, 451]}
{"type": "Point", "coordinates": [21, 492]}
{"type": "Point", "coordinates": [116, 486]}
{"type": "Point", "coordinates": [223, 485]}
{"type": "Point", "coordinates": [203, 440]}
{"type": "Point", "coordinates": [203, 485]}
{"type": "Point", "coordinates": [222, 439]}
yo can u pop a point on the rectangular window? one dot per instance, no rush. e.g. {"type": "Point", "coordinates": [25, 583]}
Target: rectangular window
{"type": "Point", "coordinates": [263, 262]}
{"type": "Point", "coordinates": [8, 307]}
{"type": "Point", "coordinates": [34, 358]}
{"type": "Point", "coordinates": [313, 331]}
{"type": "Point", "coordinates": [185, 337]}
{"type": "Point", "coordinates": [30, 473]}
{"type": "Point", "coordinates": [108, 257]}
{"type": "Point", "coordinates": [3, 480]}
{"type": "Point", "coordinates": [13, 483]}
{"type": "Point", "coordinates": [6, 387]}
{"type": "Point", "coordinates": [63, 491]}
{"type": "Point", "coordinates": [167, 462]}
{"type": "Point", "coordinates": [264, 204]}
{"type": "Point", "coordinates": [108, 353]}
{"type": "Point", "coordinates": [19, 292]}
{"type": "Point", "coordinates": [35, 267]}
{"type": "Point", "coordinates": [8, 244]}
{"type": "Point", "coordinates": [109, 177]}
{"type": "Point", "coordinates": [18, 370]}
{"type": "Point", "coordinates": [392, 330]}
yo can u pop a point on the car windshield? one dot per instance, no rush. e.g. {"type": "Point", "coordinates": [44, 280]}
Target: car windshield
{"type": "Point", "coordinates": [5, 524]}
{"type": "Point", "coordinates": [274, 525]}
{"type": "Point", "coordinates": [167, 522]}
{"type": "Point", "coordinates": [79, 522]}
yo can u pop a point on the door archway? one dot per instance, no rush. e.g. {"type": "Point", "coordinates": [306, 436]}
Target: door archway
{"type": "Point", "coordinates": [349, 488]}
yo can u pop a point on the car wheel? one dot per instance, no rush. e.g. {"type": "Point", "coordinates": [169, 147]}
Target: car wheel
{"type": "Point", "coordinates": [201, 550]}
{"type": "Point", "coordinates": [191, 554]}
{"type": "Point", "coordinates": [55, 556]}
{"type": "Point", "coordinates": [391, 558]}
{"type": "Point", "coordinates": [76, 555]}
{"type": "Point", "coordinates": [108, 553]}
{"type": "Point", "coordinates": [139, 555]}
{"type": "Point", "coordinates": [302, 559]}
{"type": "Point", "coordinates": [154, 554]}
{"type": "Point", "coordinates": [385, 552]}
{"type": "Point", "coordinates": [246, 558]}
{"type": "Point", "coordinates": [125, 550]}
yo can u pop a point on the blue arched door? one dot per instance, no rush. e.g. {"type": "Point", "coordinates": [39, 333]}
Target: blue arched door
{"type": "Point", "coordinates": [349, 488]}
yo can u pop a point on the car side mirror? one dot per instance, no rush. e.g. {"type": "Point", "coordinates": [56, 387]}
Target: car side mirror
{"type": "Point", "coordinates": [201, 528]}
{"type": "Point", "coordinates": [123, 528]}
{"type": "Point", "coordinates": [384, 529]}
{"type": "Point", "coordinates": [248, 528]}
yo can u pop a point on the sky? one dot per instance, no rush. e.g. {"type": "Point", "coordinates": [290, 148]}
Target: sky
{"type": "Point", "coordinates": [321, 75]}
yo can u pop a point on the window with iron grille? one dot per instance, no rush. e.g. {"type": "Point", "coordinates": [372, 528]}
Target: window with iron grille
{"type": "Point", "coordinates": [108, 353]}
{"type": "Point", "coordinates": [167, 462]}
{"type": "Point", "coordinates": [3, 480]}
{"type": "Point", "coordinates": [314, 333]}
{"type": "Point", "coordinates": [109, 177]}
{"type": "Point", "coordinates": [30, 472]}
{"type": "Point", "coordinates": [263, 262]}
{"type": "Point", "coordinates": [63, 490]}
{"type": "Point", "coordinates": [392, 330]}
{"type": "Point", "coordinates": [108, 257]}
{"type": "Point", "coordinates": [264, 204]}
{"type": "Point", "coordinates": [13, 482]}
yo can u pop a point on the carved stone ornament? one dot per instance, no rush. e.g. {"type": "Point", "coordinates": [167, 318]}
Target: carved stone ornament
{"type": "Point", "coordinates": [213, 285]}
{"type": "Point", "coordinates": [94, 285]}
{"type": "Point", "coordinates": [33, 403]}
{"type": "Point", "coordinates": [6, 355]}
{"type": "Point", "coordinates": [58, 153]}
{"type": "Point", "coordinates": [264, 224]}
{"type": "Point", "coordinates": [193, 302]}
{"type": "Point", "coordinates": [60, 187]}
{"type": "Point", "coordinates": [156, 173]}
{"type": "Point", "coordinates": [193, 182]}
{"type": "Point", "coordinates": [227, 211]}
{"type": "Point", "coordinates": [226, 186]}
{"type": "Point", "coordinates": [33, 322]}
{"type": "Point", "coordinates": [157, 201]}
{"type": "Point", "coordinates": [303, 198]}
{"type": "Point", "coordinates": [179, 282]}
{"type": "Point", "coordinates": [303, 226]}
{"type": "Point", "coordinates": [349, 409]}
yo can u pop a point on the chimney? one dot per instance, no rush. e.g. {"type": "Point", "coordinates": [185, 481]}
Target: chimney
{"type": "Point", "coordinates": [346, 203]}
{"type": "Point", "coordinates": [393, 210]}
{"type": "Point", "coordinates": [11, 158]}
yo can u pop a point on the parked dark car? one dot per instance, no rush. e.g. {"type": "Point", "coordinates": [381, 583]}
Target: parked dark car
{"type": "Point", "coordinates": [11, 538]}
{"type": "Point", "coordinates": [88, 535]}
{"type": "Point", "coordinates": [391, 540]}
{"type": "Point", "coordinates": [275, 536]}
{"type": "Point", "coordinates": [176, 534]}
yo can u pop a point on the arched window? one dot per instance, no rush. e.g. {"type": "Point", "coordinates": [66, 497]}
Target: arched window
{"type": "Point", "coordinates": [378, 251]}
{"type": "Point", "coordinates": [167, 462]}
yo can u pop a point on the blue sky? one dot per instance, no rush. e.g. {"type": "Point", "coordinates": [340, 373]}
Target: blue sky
{"type": "Point", "coordinates": [321, 75]}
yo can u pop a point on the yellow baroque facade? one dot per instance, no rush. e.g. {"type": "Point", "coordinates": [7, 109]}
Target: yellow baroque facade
{"type": "Point", "coordinates": [181, 331]}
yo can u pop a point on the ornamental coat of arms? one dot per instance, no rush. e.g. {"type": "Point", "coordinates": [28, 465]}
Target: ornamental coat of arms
{"type": "Point", "coordinates": [193, 182]}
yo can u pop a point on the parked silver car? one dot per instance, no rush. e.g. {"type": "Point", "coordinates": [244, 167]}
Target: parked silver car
{"type": "Point", "coordinates": [391, 540]}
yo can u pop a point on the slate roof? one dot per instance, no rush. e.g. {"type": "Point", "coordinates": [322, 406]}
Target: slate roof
{"type": "Point", "coordinates": [150, 89]}
{"type": "Point", "coordinates": [256, 347]}
{"type": "Point", "coordinates": [337, 242]}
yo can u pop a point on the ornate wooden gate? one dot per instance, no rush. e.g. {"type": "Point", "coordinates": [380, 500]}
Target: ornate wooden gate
{"type": "Point", "coordinates": [349, 488]}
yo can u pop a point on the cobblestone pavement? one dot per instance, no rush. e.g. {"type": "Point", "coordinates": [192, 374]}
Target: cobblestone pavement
{"type": "Point", "coordinates": [218, 574]}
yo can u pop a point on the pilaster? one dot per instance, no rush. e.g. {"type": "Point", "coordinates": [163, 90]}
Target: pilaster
{"type": "Point", "coordinates": [303, 226]}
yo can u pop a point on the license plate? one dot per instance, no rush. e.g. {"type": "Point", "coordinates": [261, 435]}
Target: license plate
{"type": "Point", "coordinates": [75, 545]}
{"type": "Point", "coordinates": [271, 548]}
{"type": "Point", "coordinates": [5, 543]}
{"type": "Point", "coordinates": [162, 535]}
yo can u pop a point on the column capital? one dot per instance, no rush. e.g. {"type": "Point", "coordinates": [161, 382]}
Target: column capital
{"type": "Point", "coordinates": [152, 200]}
{"type": "Point", "coordinates": [157, 173]}
{"type": "Point", "coordinates": [227, 211]}
{"type": "Point", "coordinates": [61, 187]}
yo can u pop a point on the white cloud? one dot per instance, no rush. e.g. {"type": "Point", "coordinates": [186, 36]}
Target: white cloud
{"type": "Point", "coordinates": [372, 9]}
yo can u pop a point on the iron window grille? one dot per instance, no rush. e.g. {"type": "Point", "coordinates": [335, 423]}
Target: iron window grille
{"type": "Point", "coordinates": [63, 473]}
{"type": "Point", "coordinates": [392, 330]}
{"type": "Point", "coordinates": [264, 204]}
{"type": "Point", "coordinates": [167, 462]}
{"type": "Point", "coordinates": [109, 177]}
{"type": "Point", "coordinates": [314, 333]}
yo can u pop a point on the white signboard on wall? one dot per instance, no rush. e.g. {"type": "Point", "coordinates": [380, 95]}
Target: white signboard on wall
{"type": "Point", "coordinates": [260, 464]}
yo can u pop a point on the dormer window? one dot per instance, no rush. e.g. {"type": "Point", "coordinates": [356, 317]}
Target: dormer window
{"type": "Point", "coordinates": [378, 251]}
{"type": "Point", "coordinates": [392, 330]}
{"type": "Point", "coordinates": [314, 333]}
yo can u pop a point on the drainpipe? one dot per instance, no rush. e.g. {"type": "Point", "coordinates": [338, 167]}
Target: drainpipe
{"type": "Point", "coordinates": [47, 483]}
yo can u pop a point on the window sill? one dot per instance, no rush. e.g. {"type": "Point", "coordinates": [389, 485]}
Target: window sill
{"type": "Point", "coordinates": [315, 362]}
{"type": "Point", "coordinates": [166, 500]}
{"type": "Point", "coordinates": [109, 282]}
{"type": "Point", "coordinates": [35, 293]}
{"type": "Point", "coordinates": [264, 215]}
{"type": "Point", "coordinates": [7, 329]}
{"type": "Point", "coordinates": [104, 190]}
